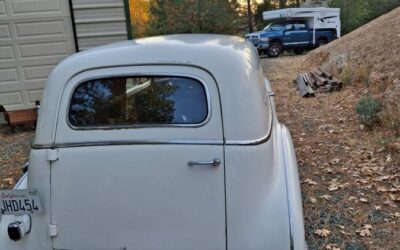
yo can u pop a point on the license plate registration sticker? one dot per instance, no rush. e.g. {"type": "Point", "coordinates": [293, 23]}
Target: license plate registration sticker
{"type": "Point", "coordinates": [20, 201]}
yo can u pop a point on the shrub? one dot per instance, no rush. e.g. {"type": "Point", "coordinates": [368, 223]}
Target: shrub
{"type": "Point", "coordinates": [347, 76]}
{"type": "Point", "coordinates": [367, 110]}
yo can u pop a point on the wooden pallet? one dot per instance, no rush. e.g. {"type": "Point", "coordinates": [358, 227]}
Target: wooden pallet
{"type": "Point", "coordinates": [316, 81]}
{"type": "Point", "coordinates": [20, 117]}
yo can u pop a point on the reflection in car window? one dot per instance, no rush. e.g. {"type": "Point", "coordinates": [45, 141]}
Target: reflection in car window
{"type": "Point", "coordinates": [301, 26]}
{"type": "Point", "coordinates": [276, 27]}
{"type": "Point", "coordinates": [289, 27]}
{"type": "Point", "coordinates": [138, 100]}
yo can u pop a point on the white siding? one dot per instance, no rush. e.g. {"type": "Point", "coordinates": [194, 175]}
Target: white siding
{"type": "Point", "coordinates": [99, 22]}
{"type": "Point", "coordinates": [34, 36]}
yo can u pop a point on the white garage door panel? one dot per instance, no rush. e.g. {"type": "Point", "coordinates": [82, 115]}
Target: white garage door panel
{"type": "Point", "coordinates": [8, 75]}
{"type": "Point", "coordinates": [34, 95]}
{"type": "Point", "coordinates": [6, 53]}
{"type": "Point", "coordinates": [43, 49]}
{"type": "Point", "coordinates": [40, 28]}
{"type": "Point", "coordinates": [35, 35]}
{"type": "Point", "coordinates": [36, 7]}
{"type": "Point", "coordinates": [5, 32]}
{"type": "Point", "coordinates": [37, 72]}
{"type": "Point", "coordinates": [11, 98]}
{"type": "Point", "coordinates": [2, 8]}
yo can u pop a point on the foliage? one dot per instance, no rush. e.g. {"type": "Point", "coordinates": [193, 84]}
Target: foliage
{"type": "Point", "coordinates": [355, 13]}
{"type": "Point", "coordinates": [367, 110]}
{"type": "Point", "coordinates": [139, 13]}
{"type": "Point", "coordinates": [192, 16]}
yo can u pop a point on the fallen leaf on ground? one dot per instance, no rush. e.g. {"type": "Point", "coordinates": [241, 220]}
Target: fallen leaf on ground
{"type": "Point", "coordinates": [322, 232]}
{"type": "Point", "coordinates": [331, 247]}
{"type": "Point", "coordinates": [333, 187]}
{"type": "Point", "coordinates": [365, 231]}
{"type": "Point", "coordinates": [326, 197]}
{"type": "Point", "coordinates": [309, 181]}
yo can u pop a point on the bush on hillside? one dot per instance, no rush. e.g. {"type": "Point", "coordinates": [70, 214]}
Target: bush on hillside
{"type": "Point", "coordinates": [367, 110]}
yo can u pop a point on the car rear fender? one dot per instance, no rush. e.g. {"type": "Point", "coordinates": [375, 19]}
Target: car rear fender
{"type": "Point", "coordinates": [293, 190]}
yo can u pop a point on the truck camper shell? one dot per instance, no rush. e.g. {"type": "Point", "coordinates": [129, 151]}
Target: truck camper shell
{"type": "Point", "coordinates": [316, 18]}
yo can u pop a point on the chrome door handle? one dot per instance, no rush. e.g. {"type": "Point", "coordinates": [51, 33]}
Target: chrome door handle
{"type": "Point", "coordinates": [215, 163]}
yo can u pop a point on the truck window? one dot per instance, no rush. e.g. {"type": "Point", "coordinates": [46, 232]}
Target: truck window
{"type": "Point", "coordinates": [301, 26]}
{"type": "Point", "coordinates": [138, 101]}
{"type": "Point", "coordinates": [274, 27]}
{"type": "Point", "coordinates": [289, 27]}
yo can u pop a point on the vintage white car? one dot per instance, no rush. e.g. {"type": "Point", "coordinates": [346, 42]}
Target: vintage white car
{"type": "Point", "coordinates": [162, 143]}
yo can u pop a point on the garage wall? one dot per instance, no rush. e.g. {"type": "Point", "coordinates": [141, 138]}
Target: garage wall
{"type": "Point", "coordinates": [99, 22]}
{"type": "Point", "coordinates": [34, 36]}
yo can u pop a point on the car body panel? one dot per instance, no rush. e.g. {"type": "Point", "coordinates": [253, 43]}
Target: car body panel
{"type": "Point", "coordinates": [132, 187]}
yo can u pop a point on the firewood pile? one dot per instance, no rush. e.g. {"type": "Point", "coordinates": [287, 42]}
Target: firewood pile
{"type": "Point", "coordinates": [316, 81]}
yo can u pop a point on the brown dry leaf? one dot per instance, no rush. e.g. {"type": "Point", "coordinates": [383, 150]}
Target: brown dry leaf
{"type": "Point", "coordinates": [9, 181]}
{"type": "Point", "coordinates": [365, 231]}
{"type": "Point", "coordinates": [309, 181]}
{"type": "Point", "coordinates": [331, 247]}
{"type": "Point", "coordinates": [326, 197]}
{"type": "Point", "coordinates": [394, 197]}
{"type": "Point", "coordinates": [364, 200]}
{"type": "Point", "coordinates": [352, 198]}
{"type": "Point", "coordinates": [322, 232]}
{"type": "Point", "coordinates": [382, 178]}
{"type": "Point", "coordinates": [333, 187]}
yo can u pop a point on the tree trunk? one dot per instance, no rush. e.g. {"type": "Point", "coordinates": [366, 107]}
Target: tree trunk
{"type": "Point", "coordinates": [249, 17]}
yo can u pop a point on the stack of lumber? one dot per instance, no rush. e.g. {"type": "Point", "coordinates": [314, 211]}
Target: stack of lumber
{"type": "Point", "coordinates": [316, 81]}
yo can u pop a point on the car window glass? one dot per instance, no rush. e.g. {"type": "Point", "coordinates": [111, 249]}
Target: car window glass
{"type": "Point", "coordinates": [138, 100]}
{"type": "Point", "coordinates": [276, 27]}
{"type": "Point", "coordinates": [289, 27]}
{"type": "Point", "coordinates": [301, 26]}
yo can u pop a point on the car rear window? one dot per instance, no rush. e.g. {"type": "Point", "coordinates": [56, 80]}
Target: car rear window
{"type": "Point", "coordinates": [144, 100]}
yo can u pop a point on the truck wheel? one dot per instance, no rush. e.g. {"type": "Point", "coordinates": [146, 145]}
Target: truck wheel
{"type": "Point", "coordinates": [298, 51]}
{"type": "Point", "coordinates": [274, 50]}
{"type": "Point", "coordinates": [321, 42]}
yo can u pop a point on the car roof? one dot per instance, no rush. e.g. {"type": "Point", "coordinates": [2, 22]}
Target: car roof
{"type": "Point", "coordinates": [232, 61]}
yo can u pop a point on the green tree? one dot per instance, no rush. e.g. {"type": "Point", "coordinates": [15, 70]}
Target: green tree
{"type": "Point", "coordinates": [355, 13]}
{"type": "Point", "coordinates": [192, 16]}
{"type": "Point", "coordinates": [139, 13]}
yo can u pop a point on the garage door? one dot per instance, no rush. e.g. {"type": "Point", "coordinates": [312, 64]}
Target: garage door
{"type": "Point", "coordinates": [34, 36]}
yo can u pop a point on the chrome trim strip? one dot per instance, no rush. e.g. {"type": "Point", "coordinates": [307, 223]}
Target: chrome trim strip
{"type": "Point", "coordinates": [135, 142]}
{"type": "Point", "coordinates": [295, 43]}
{"type": "Point", "coordinates": [248, 142]}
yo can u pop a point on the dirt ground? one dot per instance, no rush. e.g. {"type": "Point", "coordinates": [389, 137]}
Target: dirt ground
{"type": "Point", "coordinates": [349, 174]}
{"type": "Point", "coordinates": [14, 149]}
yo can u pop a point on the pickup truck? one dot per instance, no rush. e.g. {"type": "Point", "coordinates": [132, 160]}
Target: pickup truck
{"type": "Point", "coordinates": [290, 35]}
{"type": "Point", "coordinates": [143, 144]}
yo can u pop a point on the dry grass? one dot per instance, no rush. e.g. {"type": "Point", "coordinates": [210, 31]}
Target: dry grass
{"type": "Point", "coordinates": [369, 58]}
{"type": "Point", "coordinates": [358, 165]}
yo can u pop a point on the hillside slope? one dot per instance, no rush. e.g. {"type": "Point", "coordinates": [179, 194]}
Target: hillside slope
{"type": "Point", "coordinates": [369, 59]}
{"type": "Point", "coordinates": [374, 47]}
